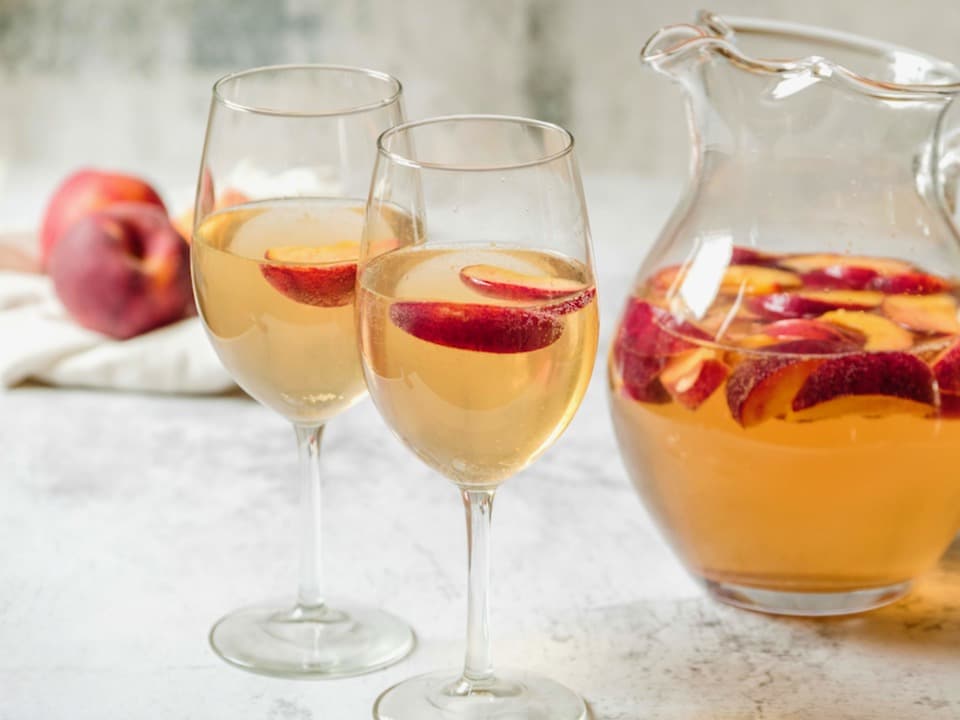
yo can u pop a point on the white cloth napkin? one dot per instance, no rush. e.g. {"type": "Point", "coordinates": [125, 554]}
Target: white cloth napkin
{"type": "Point", "coordinates": [38, 340]}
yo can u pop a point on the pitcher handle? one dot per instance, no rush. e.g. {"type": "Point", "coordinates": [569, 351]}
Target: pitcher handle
{"type": "Point", "coordinates": [950, 174]}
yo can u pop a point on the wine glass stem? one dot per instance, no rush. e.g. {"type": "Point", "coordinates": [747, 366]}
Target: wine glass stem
{"type": "Point", "coordinates": [311, 506]}
{"type": "Point", "coordinates": [478, 667]}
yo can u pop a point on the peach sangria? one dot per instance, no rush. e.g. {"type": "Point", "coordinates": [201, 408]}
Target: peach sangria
{"type": "Point", "coordinates": [798, 440]}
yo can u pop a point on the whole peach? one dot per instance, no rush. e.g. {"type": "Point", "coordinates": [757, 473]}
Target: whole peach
{"type": "Point", "coordinates": [123, 270]}
{"type": "Point", "coordinates": [87, 191]}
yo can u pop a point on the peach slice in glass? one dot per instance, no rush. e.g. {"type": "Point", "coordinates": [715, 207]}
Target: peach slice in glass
{"type": "Point", "coordinates": [875, 383]}
{"type": "Point", "coordinates": [474, 326]}
{"type": "Point", "coordinates": [881, 334]}
{"type": "Point", "coordinates": [924, 313]}
{"type": "Point", "coordinates": [321, 276]}
{"type": "Point", "coordinates": [506, 284]}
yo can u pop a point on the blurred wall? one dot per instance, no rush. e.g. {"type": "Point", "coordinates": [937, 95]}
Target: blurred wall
{"type": "Point", "coordinates": [126, 83]}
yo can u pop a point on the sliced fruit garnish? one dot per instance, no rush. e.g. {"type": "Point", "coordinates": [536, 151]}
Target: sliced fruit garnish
{"type": "Point", "coordinates": [318, 255]}
{"type": "Point", "coordinates": [946, 368]}
{"type": "Point", "coordinates": [949, 405]}
{"type": "Point", "coordinates": [925, 313]}
{"type": "Point", "coordinates": [802, 329]}
{"type": "Point", "coordinates": [880, 333]}
{"type": "Point", "coordinates": [763, 388]}
{"type": "Point", "coordinates": [749, 256]}
{"type": "Point", "coordinates": [810, 303]}
{"type": "Point", "coordinates": [882, 266]}
{"type": "Point", "coordinates": [866, 384]}
{"type": "Point", "coordinates": [649, 331]}
{"type": "Point", "coordinates": [641, 379]}
{"type": "Point", "coordinates": [578, 301]}
{"type": "Point", "coordinates": [667, 277]}
{"type": "Point", "coordinates": [321, 276]}
{"type": "Point", "coordinates": [911, 283]}
{"type": "Point", "coordinates": [693, 376]}
{"type": "Point", "coordinates": [501, 282]}
{"type": "Point", "coordinates": [474, 326]}
{"type": "Point", "coordinates": [756, 280]}
{"type": "Point", "coordinates": [840, 277]}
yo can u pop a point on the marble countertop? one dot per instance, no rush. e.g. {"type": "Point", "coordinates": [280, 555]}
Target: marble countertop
{"type": "Point", "coordinates": [129, 524]}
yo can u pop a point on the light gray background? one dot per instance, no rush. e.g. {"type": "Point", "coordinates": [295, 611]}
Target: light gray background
{"type": "Point", "coordinates": [125, 83]}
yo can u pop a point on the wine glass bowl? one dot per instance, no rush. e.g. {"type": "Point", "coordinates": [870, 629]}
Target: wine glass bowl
{"type": "Point", "coordinates": [279, 217]}
{"type": "Point", "coordinates": [478, 333]}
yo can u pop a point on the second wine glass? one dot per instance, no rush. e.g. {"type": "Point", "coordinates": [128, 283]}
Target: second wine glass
{"type": "Point", "coordinates": [280, 205]}
{"type": "Point", "coordinates": [478, 336]}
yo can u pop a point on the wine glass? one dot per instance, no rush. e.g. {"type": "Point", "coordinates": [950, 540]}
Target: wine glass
{"type": "Point", "coordinates": [279, 214]}
{"type": "Point", "coordinates": [478, 334]}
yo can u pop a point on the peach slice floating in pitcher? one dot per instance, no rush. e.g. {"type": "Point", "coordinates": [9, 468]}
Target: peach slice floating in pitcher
{"type": "Point", "coordinates": [499, 282]}
{"type": "Point", "coordinates": [475, 326]}
{"type": "Point", "coordinates": [692, 377]}
{"type": "Point", "coordinates": [881, 334]}
{"type": "Point", "coordinates": [866, 384]}
{"type": "Point", "coordinates": [808, 304]}
{"type": "Point", "coordinates": [803, 329]}
{"type": "Point", "coordinates": [911, 283]}
{"type": "Point", "coordinates": [881, 266]}
{"type": "Point", "coordinates": [756, 280]}
{"type": "Point", "coordinates": [764, 387]}
{"type": "Point", "coordinates": [322, 276]}
{"type": "Point", "coordinates": [840, 277]}
{"type": "Point", "coordinates": [924, 313]}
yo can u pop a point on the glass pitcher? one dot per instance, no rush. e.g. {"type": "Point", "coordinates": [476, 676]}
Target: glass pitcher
{"type": "Point", "coordinates": [785, 379]}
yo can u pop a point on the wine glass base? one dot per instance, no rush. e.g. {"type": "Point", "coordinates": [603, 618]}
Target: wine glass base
{"type": "Point", "coordinates": [806, 604]}
{"type": "Point", "coordinates": [511, 695]}
{"type": "Point", "coordinates": [311, 643]}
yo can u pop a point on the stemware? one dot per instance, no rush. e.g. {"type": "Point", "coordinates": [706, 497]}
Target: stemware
{"type": "Point", "coordinates": [279, 214]}
{"type": "Point", "coordinates": [478, 335]}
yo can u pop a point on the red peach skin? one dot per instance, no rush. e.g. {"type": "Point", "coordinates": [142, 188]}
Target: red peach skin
{"type": "Point", "coordinates": [85, 192]}
{"type": "Point", "coordinates": [123, 271]}
{"type": "Point", "coordinates": [499, 282]}
{"type": "Point", "coordinates": [867, 384]}
{"type": "Point", "coordinates": [482, 328]}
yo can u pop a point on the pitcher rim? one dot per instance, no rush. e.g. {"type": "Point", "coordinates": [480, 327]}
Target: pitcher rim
{"type": "Point", "coordinates": [716, 31]}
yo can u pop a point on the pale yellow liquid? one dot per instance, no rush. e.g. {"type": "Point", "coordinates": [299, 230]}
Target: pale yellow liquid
{"type": "Point", "coordinates": [477, 417]}
{"type": "Point", "coordinates": [298, 359]}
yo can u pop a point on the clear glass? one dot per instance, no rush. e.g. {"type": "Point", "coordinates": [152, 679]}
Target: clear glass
{"type": "Point", "coordinates": [478, 336]}
{"type": "Point", "coordinates": [279, 214]}
{"type": "Point", "coordinates": [781, 381]}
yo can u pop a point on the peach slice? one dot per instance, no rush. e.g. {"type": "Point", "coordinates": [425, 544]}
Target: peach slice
{"type": "Point", "coordinates": [748, 256]}
{"type": "Point", "coordinates": [652, 331]}
{"type": "Point", "coordinates": [881, 334]}
{"type": "Point", "coordinates": [763, 388]}
{"type": "Point", "coordinates": [911, 283]}
{"type": "Point", "coordinates": [478, 327]}
{"type": "Point", "coordinates": [321, 276]}
{"type": "Point", "coordinates": [578, 301]}
{"type": "Point", "coordinates": [499, 282]}
{"type": "Point", "coordinates": [641, 377]}
{"type": "Point", "coordinates": [807, 304]}
{"type": "Point", "coordinates": [643, 346]}
{"type": "Point", "coordinates": [840, 277]}
{"type": "Point", "coordinates": [866, 384]}
{"type": "Point", "coordinates": [756, 280]}
{"type": "Point", "coordinates": [692, 377]}
{"type": "Point", "coordinates": [946, 368]}
{"type": "Point", "coordinates": [882, 266]}
{"type": "Point", "coordinates": [924, 313]}
{"type": "Point", "coordinates": [802, 329]}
